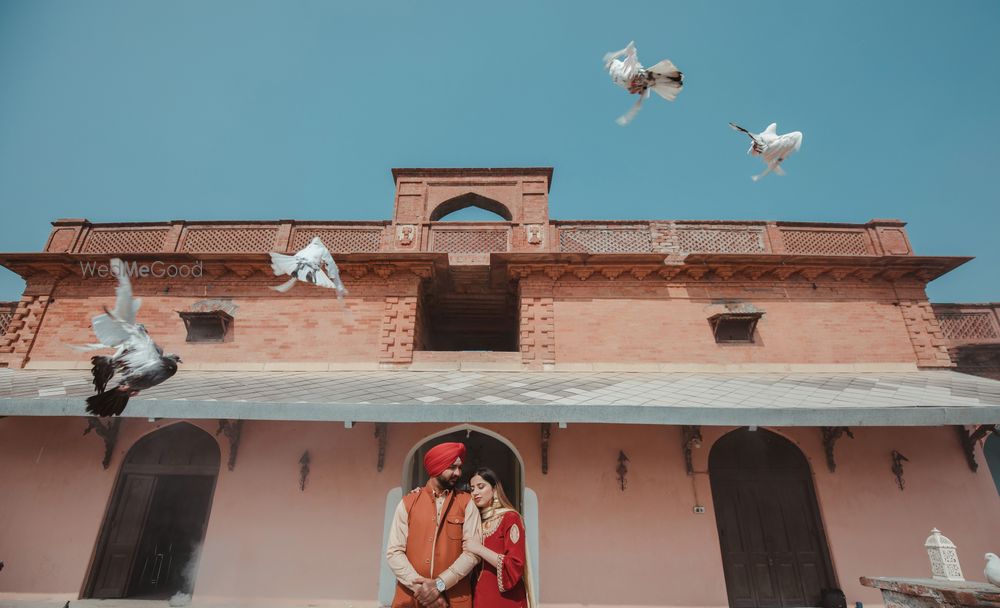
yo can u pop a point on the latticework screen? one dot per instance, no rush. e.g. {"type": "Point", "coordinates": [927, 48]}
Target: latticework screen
{"type": "Point", "coordinates": [5, 318]}
{"type": "Point", "coordinates": [124, 241]}
{"type": "Point", "coordinates": [229, 240]}
{"type": "Point", "coordinates": [825, 242]}
{"type": "Point", "coordinates": [605, 240]}
{"type": "Point", "coordinates": [972, 326]}
{"type": "Point", "coordinates": [475, 240]}
{"type": "Point", "coordinates": [720, 240]}
{"type": "Point", "coordinates": [339, 240]}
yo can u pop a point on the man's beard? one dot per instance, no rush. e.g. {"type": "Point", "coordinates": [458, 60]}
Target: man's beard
{"type": "Point", "coordinates": [448, 484]}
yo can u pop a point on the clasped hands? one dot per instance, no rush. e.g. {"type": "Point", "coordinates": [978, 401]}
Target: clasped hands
{"type": "Point", "coordinates": [427, 594]}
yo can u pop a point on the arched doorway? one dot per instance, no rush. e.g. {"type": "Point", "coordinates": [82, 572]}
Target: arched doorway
{"type": "Point", "coordinates": [483, 449]}
{"type": "Point", "coordinates": [154, 527]}
{"type": "Point", "coordinates": [774, 549]}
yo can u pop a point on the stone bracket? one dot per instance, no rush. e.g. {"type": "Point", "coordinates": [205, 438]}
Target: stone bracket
{"type": "Point", "coordinates": [108, 432]}
{"type": "Point", "coordinates": [233, 430]}
{"type": "Point", "coordinates": [546, 435]}
{"type": "Point", "coordinates": [969, 440]}
{"type": "Point", "coordinates": [830, 436]}
{"type": "Point", "coordinates": [382, 435]}
{"type": "Point", "coordinates": [690, 438]}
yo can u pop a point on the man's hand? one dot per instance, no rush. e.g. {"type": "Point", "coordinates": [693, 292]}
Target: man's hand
{"type": "Point", "coordinates": [427, 594]}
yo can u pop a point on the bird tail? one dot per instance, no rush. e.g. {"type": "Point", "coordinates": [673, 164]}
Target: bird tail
{"type": "Point", "coordinates": [103, 369]}
{"type": "Point", "coordinates": [110, 403]}
{"type": "Point", "coordinates": [285, 286]}
{"type": "Point", "coordinates": [283, 264]}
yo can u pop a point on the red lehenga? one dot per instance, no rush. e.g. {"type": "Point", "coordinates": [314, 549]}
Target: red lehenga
{"type": "Point", "coordinates": [504, 586]}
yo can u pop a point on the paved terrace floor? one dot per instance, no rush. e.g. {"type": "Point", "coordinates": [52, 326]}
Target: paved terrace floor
{"type": "Point", "coordinates": [790, 399]}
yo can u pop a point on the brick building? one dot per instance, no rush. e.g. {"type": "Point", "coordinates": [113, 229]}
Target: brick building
{"type": "Point", "coordinates": [735, 413]}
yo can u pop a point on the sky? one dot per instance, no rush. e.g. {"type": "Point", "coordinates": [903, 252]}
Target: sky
{"type": "Point", "coordinates": [238, 109]}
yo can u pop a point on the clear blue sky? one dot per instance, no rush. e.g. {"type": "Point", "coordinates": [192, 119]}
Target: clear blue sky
{"type": "Point", "coordinates": [216, 109]}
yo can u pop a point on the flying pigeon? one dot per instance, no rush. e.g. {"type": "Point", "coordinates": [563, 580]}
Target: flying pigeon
{"type": "Point", "coordinates": [773, 147]}
{"type": "Point", "coordinates": [307, 265]}
{"type": "Point", "coordinates": [628, 73]}
{"type": "Point", "coordinates": [140, 361]}
{"type": "Point", "coordinates": [992, 570]}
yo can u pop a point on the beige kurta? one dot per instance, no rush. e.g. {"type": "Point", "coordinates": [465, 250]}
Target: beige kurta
{"type": "Point", "coordinates": [396, 549]}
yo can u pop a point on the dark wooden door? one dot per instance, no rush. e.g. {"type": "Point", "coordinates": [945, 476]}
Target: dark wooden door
{"type": "Point", "coordinates": [774, 551]}
{"type": "Point", "coordinates": [125, 528]}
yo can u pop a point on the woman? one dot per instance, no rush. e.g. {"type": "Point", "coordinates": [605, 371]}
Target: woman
{"type": "Point", "coordinates": [504, 581]}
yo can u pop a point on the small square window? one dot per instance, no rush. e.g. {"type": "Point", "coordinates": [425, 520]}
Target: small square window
{"type": "Point", "coordinates": [733, 327]}
{"type": "Point", "coordinates": [214, 326]}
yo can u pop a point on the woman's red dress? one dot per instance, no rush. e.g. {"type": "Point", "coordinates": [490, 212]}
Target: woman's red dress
{"type": "Point", "coordinates": [506, 589]}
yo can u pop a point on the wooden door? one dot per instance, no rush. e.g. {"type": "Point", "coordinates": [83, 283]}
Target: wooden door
{"type": "Point", "coordinates": [774, 549]}
{"type": "Point", "coordinates": [126, 525]}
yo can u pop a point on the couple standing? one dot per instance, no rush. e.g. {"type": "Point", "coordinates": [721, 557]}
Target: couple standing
{"type": "Point", "coordinates": [440, 534]}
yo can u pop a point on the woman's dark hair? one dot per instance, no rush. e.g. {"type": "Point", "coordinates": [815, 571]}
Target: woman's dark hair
{"type": "Point", "coordinates": [491, 478]}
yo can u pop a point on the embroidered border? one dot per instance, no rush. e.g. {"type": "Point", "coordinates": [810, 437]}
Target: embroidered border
{"type": "Point", "coordinates": [500, 573]}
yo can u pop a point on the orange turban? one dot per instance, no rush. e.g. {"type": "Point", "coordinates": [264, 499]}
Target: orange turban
{"type": "Point", "coordinates": [441, 457]}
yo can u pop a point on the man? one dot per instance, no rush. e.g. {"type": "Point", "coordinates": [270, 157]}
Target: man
{"type": "Point", "coordinates": [429, 529]}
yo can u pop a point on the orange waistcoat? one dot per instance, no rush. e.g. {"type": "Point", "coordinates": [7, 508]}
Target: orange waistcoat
{"type": "Point", "coordinates": [431, 547]}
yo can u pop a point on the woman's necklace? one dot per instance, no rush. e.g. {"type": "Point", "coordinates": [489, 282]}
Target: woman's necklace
{"type": "Point", "coordinates": [491, 522]}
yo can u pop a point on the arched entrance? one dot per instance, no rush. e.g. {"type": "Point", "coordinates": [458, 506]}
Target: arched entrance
{"type": "Point", "coordinates": [483, 449]}
{"type": "Point", "coordinates": [156, 521]}
{"type": "Point", "coordinates": [774, 550]}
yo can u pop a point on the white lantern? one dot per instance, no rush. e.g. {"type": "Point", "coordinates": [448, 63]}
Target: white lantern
{"type": "Point", "coordinates": [944, 557]}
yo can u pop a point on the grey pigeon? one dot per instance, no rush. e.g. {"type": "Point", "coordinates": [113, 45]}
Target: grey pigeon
{"type": "Point", "coordinates": [140, 362]}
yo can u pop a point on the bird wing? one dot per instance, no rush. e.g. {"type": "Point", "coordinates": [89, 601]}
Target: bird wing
{"type": "Point", "coordinates": [283, 264]}
{"type": "Point", "coordinates": [666, 79]}
{"type": "Point", "coordinates": [781, 148]}
{"type": "Point", "coordinates": [757, 146]}
{"type": "Point", "coordinates": [126, 307]}
{"type": "Point", "coordinates": [111, 331]}
{"type": "Point", "coordinates": [622, 71]}
{"type": "Point", "coordinates": [141, 354]}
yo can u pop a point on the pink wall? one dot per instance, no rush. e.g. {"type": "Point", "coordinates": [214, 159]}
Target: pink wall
{"type": "Point", "coordinates": [599, 546]}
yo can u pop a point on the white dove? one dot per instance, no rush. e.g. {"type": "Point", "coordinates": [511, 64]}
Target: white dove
{"type": "Point", "coordinates": [772, 147]}
{"type": "Point", "coordinates": [108, 327]}
{"type": "Point", "coordinates": [628, 73]}
{"type": "Point", "coordinates": [307, 265]}
{"type": "Point", "coordinates": [992, 570]}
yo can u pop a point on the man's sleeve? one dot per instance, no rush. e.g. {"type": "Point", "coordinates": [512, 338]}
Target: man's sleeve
{"type": "Point", "coordinates": [466, 561]}
{"type": "Point", "coordinates": [396, 549]}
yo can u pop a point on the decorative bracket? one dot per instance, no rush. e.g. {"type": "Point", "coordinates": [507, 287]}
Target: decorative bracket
{"type": "Point", "coordinates": [690, 438]}
{"type": "Point", "coordinates": [233, 430]}
{"type": "Point", "coordinates": [304, 470]}
{"type": "Point", "coordinates": [969, 441]}
{"type": "Point", "coordinates": [382, 435]}
{"type": "Point", "coordinates": [546, 434]}
{"type": "Point", "coordinates": [897, 467]}
{"type": "Point", "coordinates": [108, 432]}
{"type": "Point", "coordinates": [622, 470]}
{"type": "Point", "coordinates": [830, 436]}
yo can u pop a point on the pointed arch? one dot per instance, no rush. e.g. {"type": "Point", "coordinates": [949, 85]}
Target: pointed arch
{"type": "Point", "coordinates": [471, 199]}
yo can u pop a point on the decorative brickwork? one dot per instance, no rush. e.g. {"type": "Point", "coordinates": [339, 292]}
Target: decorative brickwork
{"type": "Point", "coordinates": [969, 326]}
{"type": "Point", "coordinates": [339, 240]}
{"type": "Point", "coordinates": [721, 240]}
{"type": "Point", "coordinates": [16, 343]}
{"type": "Point", "coordinates": [632, 239]}
{"type": "Point", "coordinates": [472, 240]}
{"type": "Point", "coordinates": [825, 242]}
{"type": "Point", "coordinates": [398, 328]}
{"type": "Point", "coordinates": [229, 240]}
{"type": "Point", "coordinates": [117, 240]}
{"type": "Point", "coordinates": [929, 343]}
{"type": "Point", "coordinates": [537, 331]}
